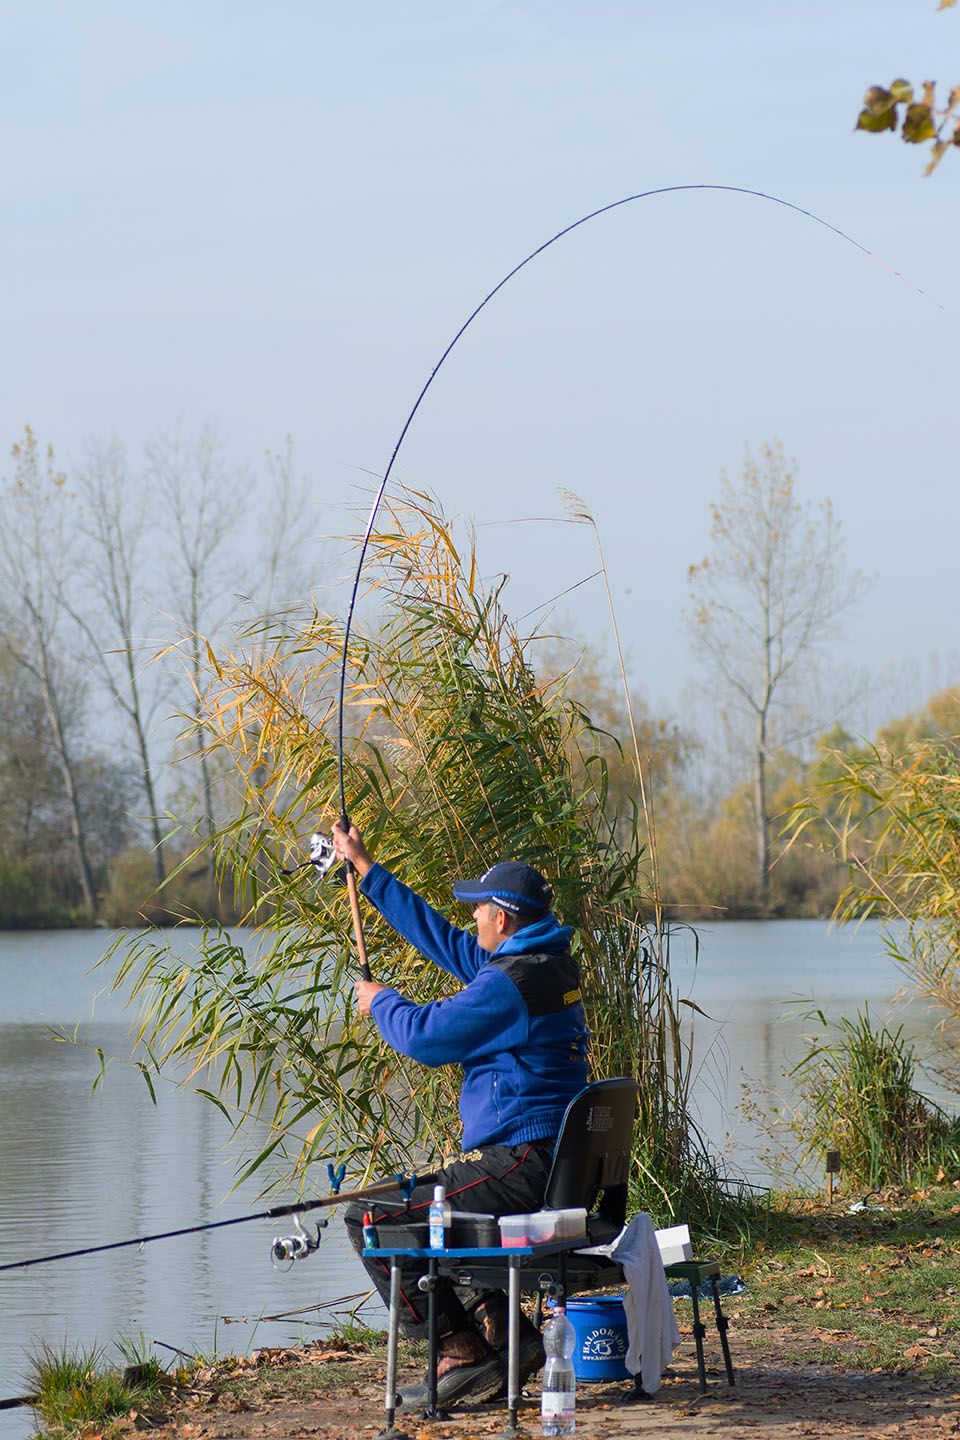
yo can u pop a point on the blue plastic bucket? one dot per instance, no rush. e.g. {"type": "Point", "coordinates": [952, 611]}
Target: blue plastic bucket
{"type": "Point", "coordinates": [600, 1326]}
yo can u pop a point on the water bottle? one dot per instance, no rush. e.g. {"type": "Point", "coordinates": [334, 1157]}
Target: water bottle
{"type": "Point", "coordinates": [558, 1400]}
{"type": "Point", "coordinates": [439, 1218]}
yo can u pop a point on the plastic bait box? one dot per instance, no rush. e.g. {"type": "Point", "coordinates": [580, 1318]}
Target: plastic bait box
{"type": "Point", "coordinates": [542, 1225]}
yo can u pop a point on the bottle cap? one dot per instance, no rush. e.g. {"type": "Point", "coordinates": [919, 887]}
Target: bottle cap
{"type": "Point", "coordinates": [438, 1192]}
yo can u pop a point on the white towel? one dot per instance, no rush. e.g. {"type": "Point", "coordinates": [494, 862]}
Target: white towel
{"type": "Point", "coordinates": [651, 1323]}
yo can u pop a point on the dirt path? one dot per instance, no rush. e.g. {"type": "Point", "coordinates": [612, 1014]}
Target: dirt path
{"type": "Point", "coordinates": [335, 1395]}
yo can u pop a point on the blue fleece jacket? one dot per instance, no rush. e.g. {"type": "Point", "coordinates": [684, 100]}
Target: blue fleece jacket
{"type": "Point", "coordinates": [517, 1028]}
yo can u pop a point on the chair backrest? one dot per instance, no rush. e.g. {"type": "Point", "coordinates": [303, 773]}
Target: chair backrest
{"type": "Point", "coordinates": [592, 1154]}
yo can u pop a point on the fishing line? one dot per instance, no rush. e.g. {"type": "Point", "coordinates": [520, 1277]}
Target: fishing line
{"type": "Point", "coordinates": [567, 230]}
{"type": "Point", "coordinates": [554, 598]}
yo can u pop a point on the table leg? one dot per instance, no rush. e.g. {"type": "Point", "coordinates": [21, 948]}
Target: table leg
{"type": "Point", "coordinates": [513, 1344]}
{"type": "Point", "coordinates": [393, 1331]}
{"type": "Point", "coordinates": [699, 1330]}
{"type": "Point", "coordinates": [433, 1346]}
{"type": "Point", "coordinates": [722, 1323]}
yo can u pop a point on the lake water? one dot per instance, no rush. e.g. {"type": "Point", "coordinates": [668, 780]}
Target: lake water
{"type": "Point", "coordinates": [79, 1169]}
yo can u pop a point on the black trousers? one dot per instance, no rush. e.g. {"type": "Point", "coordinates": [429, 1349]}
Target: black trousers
{"type": "Point", "coordinates": [501, 1180]}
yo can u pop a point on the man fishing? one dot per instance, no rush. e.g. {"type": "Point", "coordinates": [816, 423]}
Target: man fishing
{"type": "Point", "coordinates": [518, 1030]}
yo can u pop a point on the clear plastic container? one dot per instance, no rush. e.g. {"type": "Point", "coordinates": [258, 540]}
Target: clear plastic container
{"type": "Point", "coordinates": [518, 1230]}
{"type": "Point", "coordinates": [571, 1224]}
{"type": "Point", "coordinates": [542, 1225]}
{"type": "Point", "coordinates": [438, 1217]}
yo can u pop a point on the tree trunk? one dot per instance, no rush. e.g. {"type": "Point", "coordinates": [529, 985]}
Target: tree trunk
{"type": "Point", "coordinates": [146, 771]}
{"type": "Point", "coordinates": [73, 803]}
{"type": "Point", "coordinates": [763, 822]}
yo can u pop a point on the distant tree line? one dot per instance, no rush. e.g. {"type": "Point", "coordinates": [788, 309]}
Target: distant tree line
{"type": "Point", "coordinates": [112, 578]}
{"type": "Point", "coordinates": [119, 583]}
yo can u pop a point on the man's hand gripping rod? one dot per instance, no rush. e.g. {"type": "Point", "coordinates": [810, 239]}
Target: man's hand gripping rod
{"type": "Point", "coordinates": [322, 858]}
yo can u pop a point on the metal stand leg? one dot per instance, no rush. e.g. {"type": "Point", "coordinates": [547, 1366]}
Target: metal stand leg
{"type": "Point", "coordinates": [393, 1329]}
{"type": "Point", "coordinates": [722, 1323]}
{"type": "Point", "coordinates": [513, 1346]}
{"type": "Point", "coordinates": [699, 1331]}
{"type": "Point", "coordinates": [429, 1283]}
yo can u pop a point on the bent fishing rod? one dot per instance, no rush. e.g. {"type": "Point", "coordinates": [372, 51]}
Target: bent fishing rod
{"type": "Point", "coordinates": [381, 490]}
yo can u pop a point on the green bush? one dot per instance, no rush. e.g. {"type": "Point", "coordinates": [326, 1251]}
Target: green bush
{"type": "Point", "coordinates": [858, 1096]}
{"type": "Point", "coordinates": [74, 1389]}
{"type": "Point", "coordinates": [25, 901]}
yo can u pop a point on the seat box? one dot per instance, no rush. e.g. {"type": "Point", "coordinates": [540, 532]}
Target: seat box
{"type": "Point", "coordinates": [467, 1230]}
{"type": "Point", "coordinates": [475, 1230]}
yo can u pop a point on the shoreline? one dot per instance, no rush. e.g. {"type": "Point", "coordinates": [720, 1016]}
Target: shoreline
{"type": "Point", "coordinates": [850, 1326]}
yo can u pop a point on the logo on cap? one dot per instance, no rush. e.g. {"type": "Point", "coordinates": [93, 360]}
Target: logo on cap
{"type": "Point", "coordinates": [511, 885]}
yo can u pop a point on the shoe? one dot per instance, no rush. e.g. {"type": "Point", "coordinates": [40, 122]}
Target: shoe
{"type": "Point", "coordinates": [479, 1381]}
{"type": "Point", "coordinates": [532, 1357]}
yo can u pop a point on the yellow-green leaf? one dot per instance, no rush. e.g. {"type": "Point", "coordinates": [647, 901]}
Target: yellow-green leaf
{"type": "Point", "coordinates": [879, 111]}
{"type": "Point", "coordinates": [902, 90]}
{"type": "Point", "coordinates": [918, 124]}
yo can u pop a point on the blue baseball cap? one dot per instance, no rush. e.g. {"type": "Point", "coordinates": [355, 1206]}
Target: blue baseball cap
{"type": "Point", "coordinates": [511, 885]}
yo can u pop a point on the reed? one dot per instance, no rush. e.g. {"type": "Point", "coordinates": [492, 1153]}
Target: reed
{"type": "Point", "coordinates": [458, 754]}
{"type": "Point", "coordinates": [858, 1096]}
{"type": "Point", "coordinates": [894, 817]}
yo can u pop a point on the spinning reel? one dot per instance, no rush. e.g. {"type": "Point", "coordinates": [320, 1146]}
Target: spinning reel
{"type": "Point", "coordinates": [321, 856]}
{"type": "Point", "coordinates": [286, 1249]}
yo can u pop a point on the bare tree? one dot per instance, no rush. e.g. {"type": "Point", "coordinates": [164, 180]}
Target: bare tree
{"type": "Point", "coordinates": [203, 502]}
{"type": "Point", "coordinates": [765, 601]}
{"type": "Point", "coordinates": [37, 536]}
{"type": "Point", "coordinates": [113, 560]}
{"type": "Point", "coordinates": [282, 564]}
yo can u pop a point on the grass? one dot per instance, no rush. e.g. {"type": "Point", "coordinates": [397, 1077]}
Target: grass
{"type": "Point", "coordinates": [354, 1332]}
{"type": "Point", "coordinates": [861, 1291]}
{"type": "Point", "coordinates": [351, 1353]}
{"type": "Point", "coordinates": [76, 1388]}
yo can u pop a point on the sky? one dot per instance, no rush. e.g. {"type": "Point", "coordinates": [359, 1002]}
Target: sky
{"type": "Point", "coordinates": [273, 218]}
